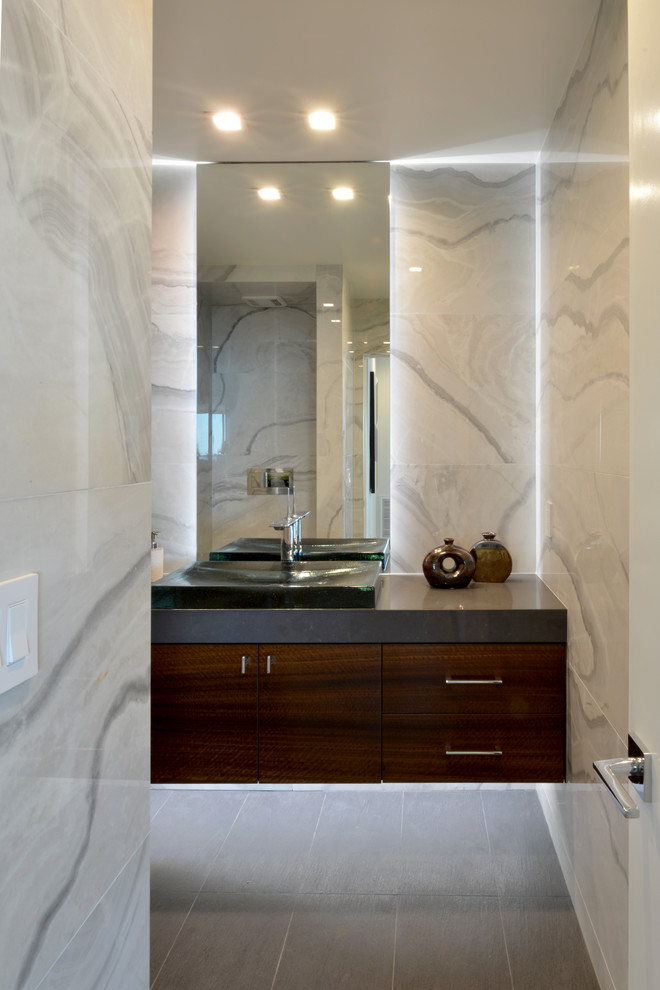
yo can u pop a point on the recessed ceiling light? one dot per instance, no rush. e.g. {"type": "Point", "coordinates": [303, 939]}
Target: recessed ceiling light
{"type": "Point", "coordinates": [269, 192]}
{"type": "Point", "coordinates": [414, 269]}
{"type": "Point", "coordinates": [335, 321]}
{"type": "Point", "coordinates": [343, 192]}
{"type": "Point", "coordinates": [328, 305]}
{"type": "Point", "coordinates": [322, 120]}
{"type": "Point", "coordinates": [227, 120]}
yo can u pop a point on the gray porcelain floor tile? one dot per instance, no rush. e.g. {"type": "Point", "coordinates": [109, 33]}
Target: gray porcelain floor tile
{"type": "Point", "coordinates": [168, 913]}
{"type": "Point", "coordinates": [231, 941]}
{"type": "Point", "coordinates": [450, 943]}
{"type": "Point", "coordinates": [523, 856]}
{"type": "Point", "coordinates": [357, 845]}
{"type": "Point", "coordinates": [268, 844]}
{"type": "Point", "coordinates": [445, 845]}
{"type": "Point", "coordinates": [338, 940]}
{"type": "Point", "coordinates": [187, 834]}
{"type": "Point", "coordinates": [545, 945]}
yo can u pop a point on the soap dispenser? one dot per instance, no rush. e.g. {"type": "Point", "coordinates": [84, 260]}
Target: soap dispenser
{"type": "Point", "coordinates": [156, 557]}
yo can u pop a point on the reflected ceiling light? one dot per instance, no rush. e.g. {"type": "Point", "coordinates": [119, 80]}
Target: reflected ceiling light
{"type": "Point", "coordinates": [269, 192]}
{"type": "Point", "coordinates": [343, 192]}
{"type": "Point", "coordinates": [227, 120]}
{"type": "Point", "coordinates": [335, 321]}
{"type": "Point", "coordinates": [322, 120]}
{"type": "Point", "coordinates": [414, 268]}
{"type": "Point", "coordinates": [328, 305]}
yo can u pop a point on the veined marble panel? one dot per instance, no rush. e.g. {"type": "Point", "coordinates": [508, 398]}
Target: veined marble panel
{"type": "Point", "coordinates": [115, 36]}
{"type": "Point", "coordinates": [258, 389]}
{"type": "Point", "coordinates": [583, 411]}
{"type": "Point", "coordinates": [75, 200]}
{"type": "Point", "coordinates": [74, 741]}
{"type": "Point", "coordinates": [469, 383]}
{"type": "Point", "coordinates": [108, 952]}
{"type": "Point", "coordinates": [472, 233]}
{"type": "Point", "coordinates": [586, 565]}
{"type": "Point", "coordinates": [430, 502]}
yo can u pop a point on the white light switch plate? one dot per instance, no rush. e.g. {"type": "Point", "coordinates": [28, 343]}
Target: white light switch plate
{"type": "Point", "coordinates": [19, 627]}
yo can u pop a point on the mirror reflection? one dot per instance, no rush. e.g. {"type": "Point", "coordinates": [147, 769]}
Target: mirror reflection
{"type": "Point", "coordinates": [293, 349]}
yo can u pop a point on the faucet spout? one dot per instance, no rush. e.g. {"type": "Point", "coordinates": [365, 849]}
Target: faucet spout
{"type": "Point", "coordinates": [291, 528]}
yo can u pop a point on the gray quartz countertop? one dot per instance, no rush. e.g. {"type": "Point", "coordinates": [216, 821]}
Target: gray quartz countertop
{"type": "Point", "coordinates": [408, 610]}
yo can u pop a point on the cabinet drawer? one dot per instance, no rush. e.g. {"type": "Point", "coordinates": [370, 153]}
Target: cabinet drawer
{"type": "Point", "coordinates": [474, 678]}
{"type": "Point", "coordinates": [473, 748]}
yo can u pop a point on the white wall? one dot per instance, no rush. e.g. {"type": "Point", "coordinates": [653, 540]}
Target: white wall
{"type": "Point", "coordinates": [75, 104]}
{"type": "Point", "coordinates": [583, 467]}
{"type": "Point", "coordinates": [462, 359]}
{"type": "Point", "coordinates": [644, 834]}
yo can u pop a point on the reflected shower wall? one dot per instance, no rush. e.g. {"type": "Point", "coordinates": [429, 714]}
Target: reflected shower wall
{"type": "Point", "coordinates": [256, 389]}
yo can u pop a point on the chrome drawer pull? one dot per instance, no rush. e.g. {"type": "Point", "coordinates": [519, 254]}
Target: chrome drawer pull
{"type": "Point", "coordinates": [269, 661]}
{"type": "Point", "coordinates": [244, 662]}
{"type": "Point", "coordinates": [467, 680]}
{"type": "Point", "coordinates": [473, 752]}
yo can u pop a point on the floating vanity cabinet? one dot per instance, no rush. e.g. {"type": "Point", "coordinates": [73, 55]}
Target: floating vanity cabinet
{"type": "Point", "coordinates": [204, 713]}
{"type": "Point", "coordinates": [473, 712]}
{"type": "Point", "coordinates": [319, 713]}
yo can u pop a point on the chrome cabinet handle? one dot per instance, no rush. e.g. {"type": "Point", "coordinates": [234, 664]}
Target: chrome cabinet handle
{"type": "Point", "coordinates": [245, 660]}
{"type": "Point", "coordinates": [467, 680]}
{"type": "Point", "coordinates": [473, 752]}
{"type": "Point", "coordinates": [269, 661]}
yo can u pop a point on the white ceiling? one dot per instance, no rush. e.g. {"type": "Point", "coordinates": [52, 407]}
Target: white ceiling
{"type": "Point", "coordinates": [406, 77]}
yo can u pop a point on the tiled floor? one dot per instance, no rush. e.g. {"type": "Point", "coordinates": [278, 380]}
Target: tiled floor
{"type": "Point", "coordinates": [372, 889]}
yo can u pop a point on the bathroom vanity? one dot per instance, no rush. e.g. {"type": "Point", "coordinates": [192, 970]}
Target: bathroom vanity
{"type": "Point", "coordinates": [430, 685]}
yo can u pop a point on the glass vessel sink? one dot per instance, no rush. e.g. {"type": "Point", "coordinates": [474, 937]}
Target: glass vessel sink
{"type": "Point", "coordinates": [258, 548]}
{"type": "Point", "coordinates": [270, 584]}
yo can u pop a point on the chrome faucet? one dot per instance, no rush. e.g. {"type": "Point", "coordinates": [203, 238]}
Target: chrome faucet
{"type": "Point", "coordinates": [291, 528]}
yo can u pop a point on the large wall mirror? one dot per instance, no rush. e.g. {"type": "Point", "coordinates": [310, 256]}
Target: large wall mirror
{"type": "Point", "coordinates": [293, 347]}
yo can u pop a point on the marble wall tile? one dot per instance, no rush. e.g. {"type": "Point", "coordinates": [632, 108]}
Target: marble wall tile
{"type": "Point", "coordinates": [583, 418]}
{"type": "Point", "coordinates": [108, 951]}
{"type": "Point", "coordinates": [75, 739]}
{"type": "Point", "coordinates": [75, 203]}
{"type": "Point", "coordinates": [473, 382]}
{"type": "Point", "coordinates": [471, 231]}
{"type": "Point", "coordinates": [257, 384]}
{"type": "Point", "coordinates": [116, 37]}
{"type": "Point", "coordinates": [463, 360]}
{"type": "Point", "coordinates": [74, 497]}
{"type": "Point", "coordinates": [174, 363]}
{"type": "Point", "coordinates": [431, 501]}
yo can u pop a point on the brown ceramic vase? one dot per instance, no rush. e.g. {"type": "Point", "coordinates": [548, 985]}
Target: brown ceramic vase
{"type": "Point", "coordinates": [448, 566]}
{"type": "Point", "coordinates": [492, 559]}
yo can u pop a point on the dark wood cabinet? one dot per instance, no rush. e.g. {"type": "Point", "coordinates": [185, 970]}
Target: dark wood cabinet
{"type": "Point", "coordinates": [204, 726]}
{"type": "Point", "coordinates": [319, 713]}
{"type": "Point", "coordinates": [474, 712]}
{"type": "Point", "coordinates": [357, 713]}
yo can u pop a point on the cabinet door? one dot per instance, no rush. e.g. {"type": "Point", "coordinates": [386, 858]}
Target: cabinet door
{"type": "Point", "coordinates": [204, 713]}
{"type": "Point", "coordinates": [319, 713]}
{"type": "Point", "coordinates": [488, 678]}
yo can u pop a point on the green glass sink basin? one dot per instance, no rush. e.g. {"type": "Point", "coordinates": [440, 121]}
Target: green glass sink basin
{"type": "Point", "coordinates": [263, 548]}
{"type": "Point", "coordinates": [270, 584]}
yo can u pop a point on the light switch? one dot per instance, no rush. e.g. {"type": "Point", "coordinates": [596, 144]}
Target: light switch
{"type": "Point", "coordinates": [17, 641]}
{"type": "Point", "coordinates": [19, 632]}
